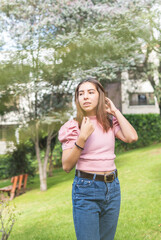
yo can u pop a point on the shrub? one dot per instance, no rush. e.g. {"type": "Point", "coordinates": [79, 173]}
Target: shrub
{"type": "Point", "coordinates": [7, 219]}
{"type": "Point", "coordinates": [21, 160]}
{"type": "Point", "coordinates": [57, 153]}
{"type": "Point", "coordinates": [148, 127]}
{"type": "Point", "coordinates": [3, 167]}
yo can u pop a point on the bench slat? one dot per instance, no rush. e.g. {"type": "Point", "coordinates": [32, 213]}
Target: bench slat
{"type": "Point", "coordinates": [8, 188]}
{"type": "Point", "coordinates": [18, 183]}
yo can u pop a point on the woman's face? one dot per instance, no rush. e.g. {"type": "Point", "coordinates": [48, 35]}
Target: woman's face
{"type": "Point", "coordinates": [88, 97]}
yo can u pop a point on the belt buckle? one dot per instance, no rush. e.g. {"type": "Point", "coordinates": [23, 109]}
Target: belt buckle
{"type": "Point", "coordinates": [109, 181]}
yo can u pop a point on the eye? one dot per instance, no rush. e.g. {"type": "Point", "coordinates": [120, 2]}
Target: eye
{"type": "Point", "coordinates": [91, 92]}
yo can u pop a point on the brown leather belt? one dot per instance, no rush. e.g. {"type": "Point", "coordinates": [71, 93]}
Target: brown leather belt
{"type": "Point", "coordinates": [99, 177]}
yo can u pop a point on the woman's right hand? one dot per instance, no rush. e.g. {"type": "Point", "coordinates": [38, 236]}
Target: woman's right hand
{"type": "Point", "coordinates": [87, 128]}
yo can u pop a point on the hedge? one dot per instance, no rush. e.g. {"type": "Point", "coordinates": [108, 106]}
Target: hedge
{"type": "Point", "coordinates": [148, 127]}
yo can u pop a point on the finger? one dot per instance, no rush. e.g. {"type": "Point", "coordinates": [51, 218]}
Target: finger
{"type": "Point", "coordinates": [107, 98]}
{"type": "Point", "coordinates": [107, 105]}
{"type": "Point", "coordinates": [84, 120]}
{"type": "Point", "coordinates": [87, 119]}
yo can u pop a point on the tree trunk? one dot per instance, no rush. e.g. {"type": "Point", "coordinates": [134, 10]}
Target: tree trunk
{"type": "Point", "coordinates": [43, 180]}
{"type": "Point", "coordinates": [42, 174]}
{"type": "Point", "coordinates": [42, 168]}
{"type": "Point", "coordinates": [51, 166]}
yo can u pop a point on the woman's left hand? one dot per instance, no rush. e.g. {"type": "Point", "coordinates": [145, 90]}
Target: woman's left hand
{"type": "Point", "coordinates": [110, 107]}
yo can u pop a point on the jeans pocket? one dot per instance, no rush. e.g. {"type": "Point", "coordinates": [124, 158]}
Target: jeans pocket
{"type": "Point", "coordinates": [117, 185]}
{"type": "Point", "coordinates": [84, 189]}
{"type": "Point", "coordinates": [117, 180]}
{"type": "Point", "coordinates": [84, 183]}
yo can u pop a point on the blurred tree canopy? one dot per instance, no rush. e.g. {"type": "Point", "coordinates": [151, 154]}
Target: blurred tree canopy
{"type": "Point", "coordinates": [57, 43]}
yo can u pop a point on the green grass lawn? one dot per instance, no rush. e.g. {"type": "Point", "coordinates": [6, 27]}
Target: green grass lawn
{"type": "Point", "coordinates": [48, 215]}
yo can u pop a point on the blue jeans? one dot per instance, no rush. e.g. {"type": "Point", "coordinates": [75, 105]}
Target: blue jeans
{"type": "Point", "coordinates": [96, 207]}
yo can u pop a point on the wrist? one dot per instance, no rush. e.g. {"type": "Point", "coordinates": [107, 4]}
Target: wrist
{"type": "Point", "coordinates": [81, 148]}
{"type": "Point", "coordinates": [115, 111]}
{"type": "Point", "coordinates": [82, 138]}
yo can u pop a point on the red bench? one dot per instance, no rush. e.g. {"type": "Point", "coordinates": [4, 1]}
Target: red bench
{"type": "Point", "coordinates": [18, 186]}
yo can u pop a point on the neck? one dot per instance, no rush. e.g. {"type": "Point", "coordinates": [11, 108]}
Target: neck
{"type": "Point", "coordinates": [92, 117]}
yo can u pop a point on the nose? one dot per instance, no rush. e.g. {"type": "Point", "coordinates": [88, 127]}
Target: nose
{"type": "Point", "coordinates": [85, 95]}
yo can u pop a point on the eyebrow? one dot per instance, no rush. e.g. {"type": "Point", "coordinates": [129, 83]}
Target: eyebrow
{"type": "Point", "coordinates": [87, 90]}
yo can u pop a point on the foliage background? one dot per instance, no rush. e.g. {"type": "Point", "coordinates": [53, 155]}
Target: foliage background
{"type": "Point", "coordinates": [148, 127]}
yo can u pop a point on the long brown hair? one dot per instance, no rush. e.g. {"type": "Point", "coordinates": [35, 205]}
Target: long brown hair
{"type": "Point", "coordinates": [101, 114]}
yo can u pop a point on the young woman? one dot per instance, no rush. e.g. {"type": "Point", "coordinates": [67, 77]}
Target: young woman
{"type": "Point", "coordinates": [88, 142]}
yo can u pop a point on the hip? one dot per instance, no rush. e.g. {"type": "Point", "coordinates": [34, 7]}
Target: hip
{"type": "Point", "coordinates": [91, 189]}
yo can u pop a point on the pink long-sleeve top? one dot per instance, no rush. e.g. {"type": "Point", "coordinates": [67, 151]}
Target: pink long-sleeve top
{"type": "Point", "coordinates": [98, 153]}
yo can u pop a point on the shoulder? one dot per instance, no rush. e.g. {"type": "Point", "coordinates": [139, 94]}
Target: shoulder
{"type": "Point", "coordinates": [68, 130]}
{"type": "Point", "coordinates": [69, 125]}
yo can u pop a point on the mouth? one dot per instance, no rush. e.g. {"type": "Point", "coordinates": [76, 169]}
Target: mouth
{"type": "Point", "coordinates": [86, 104]}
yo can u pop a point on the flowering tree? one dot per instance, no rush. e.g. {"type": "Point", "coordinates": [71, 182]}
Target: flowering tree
{"type": "Point", "coordinates": [42, 38]}
{"type": "Point", "coordinates": [58, 42]}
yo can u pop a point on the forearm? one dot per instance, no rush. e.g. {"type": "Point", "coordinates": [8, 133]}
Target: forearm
{"type": "Point", "coordinates": [127, 129]}
{"type": "Point", "coordinates": [71, 156]}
